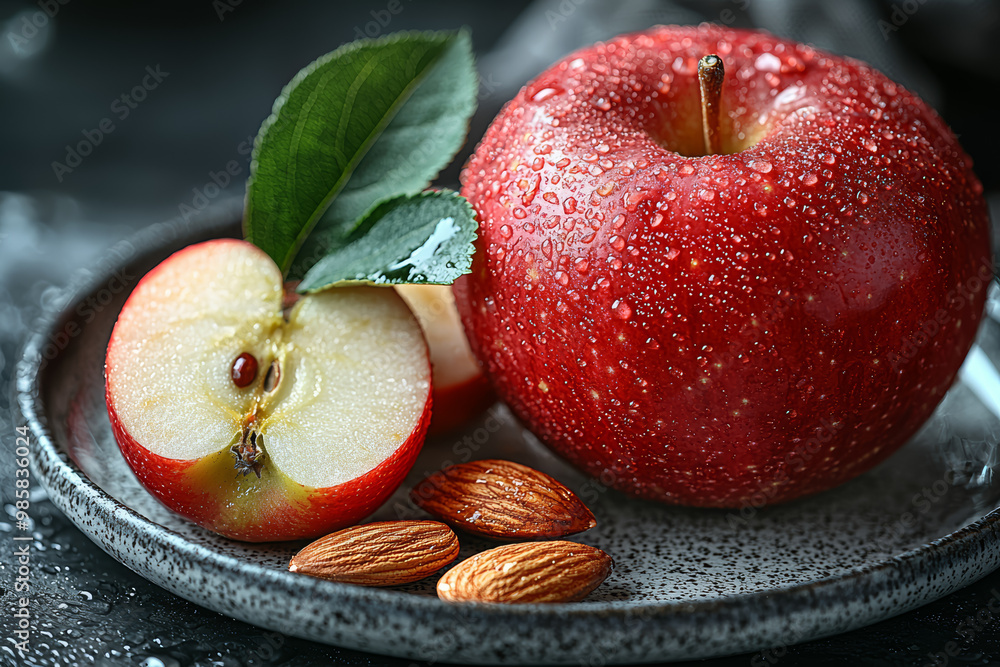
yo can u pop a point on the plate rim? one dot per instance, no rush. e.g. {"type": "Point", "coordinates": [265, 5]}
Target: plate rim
{"type": "Point", "coordinates": [962, 547]}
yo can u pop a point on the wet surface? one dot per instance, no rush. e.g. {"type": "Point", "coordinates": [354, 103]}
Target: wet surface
{"type": "Point", "coordinates": [88, 609]}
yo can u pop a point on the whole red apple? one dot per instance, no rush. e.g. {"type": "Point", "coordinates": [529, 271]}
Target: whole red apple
{"type": "Point", "coordinates": [259, 423]}
{"type": "Point", "coordinates": [722, 300]}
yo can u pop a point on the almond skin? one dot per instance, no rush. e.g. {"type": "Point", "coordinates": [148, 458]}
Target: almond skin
{"type": "Point", "coordinates": [529, 572]}
{"type": "Point", "coordinates": [502, 500]}
{"type": "Point", "coordinates": [387, 553]}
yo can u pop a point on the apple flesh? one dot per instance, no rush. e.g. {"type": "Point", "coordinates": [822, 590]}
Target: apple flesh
{"type": "Point", "coordinates": [461, 391]}
{"type": "Point", "coordinates": [718, 329]}
{"type": "Point", "coordinates": [256, 425]}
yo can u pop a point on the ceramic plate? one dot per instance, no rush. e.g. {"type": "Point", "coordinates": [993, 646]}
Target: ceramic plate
{"type": "Point", "coordinates": [687, 583]}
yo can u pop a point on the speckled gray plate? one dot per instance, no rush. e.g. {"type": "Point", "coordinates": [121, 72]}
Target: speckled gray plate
{"type": "Point", "coordinates": [687, 584]}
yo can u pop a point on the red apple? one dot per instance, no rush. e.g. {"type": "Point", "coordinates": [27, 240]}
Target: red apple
{"type": "Point", "coordinates": [718, 327]}
{"type": "Point", "coordinates": [256, 425]}
{"type": "Point", "coordinates": [461, 391]}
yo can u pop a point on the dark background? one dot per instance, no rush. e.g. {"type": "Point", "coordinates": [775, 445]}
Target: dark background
{"type": "Point", "coordinates": [224, 62]}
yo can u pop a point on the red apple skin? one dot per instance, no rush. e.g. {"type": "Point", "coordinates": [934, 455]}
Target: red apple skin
{"type": "Point", "coordinates": [729, 329]}
{"type": "Point", "coordinates": [272, 508]}
{"type": "Point", "coordinates": [456, 404]}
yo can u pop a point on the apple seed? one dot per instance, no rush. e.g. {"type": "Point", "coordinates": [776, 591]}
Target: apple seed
{"type": "Point", "coordinates": [272, 377]}
{"type": "Point", "coordinates": [244, 370]}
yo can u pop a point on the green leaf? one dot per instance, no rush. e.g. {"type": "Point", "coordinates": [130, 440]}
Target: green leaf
{"type": "Point", "coordinates": [423, 238]}
{"type": "Point", "coordinates": [325, 122]}
{"type": "Point", "coordinates": [418, 142]}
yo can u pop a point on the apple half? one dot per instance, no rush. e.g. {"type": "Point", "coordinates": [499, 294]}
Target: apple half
{"type": "Point", "coordinates": [461, 390]}
{"type": "Point", "coordinates": [257, 423]}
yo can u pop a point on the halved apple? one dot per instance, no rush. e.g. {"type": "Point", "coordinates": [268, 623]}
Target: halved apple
{"type": "Point", "coordinates": [461, 391]}
{"type": "Point", "coordinates": [261, 424]}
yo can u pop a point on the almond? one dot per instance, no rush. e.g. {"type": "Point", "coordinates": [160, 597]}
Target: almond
{"type": "Point", "coordinates": [528, 572]}
{"type": "Point", "coordinates": [503, 500]}
{"type": "Point", "coordinates": [387, 553]}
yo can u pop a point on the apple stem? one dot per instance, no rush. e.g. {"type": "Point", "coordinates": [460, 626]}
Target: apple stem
{"type": "Point", "coordinates": [711, 73]}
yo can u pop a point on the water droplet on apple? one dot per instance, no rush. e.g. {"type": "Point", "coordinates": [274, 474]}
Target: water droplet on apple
{"type": "Point", "coordinates": [622, 309]}
{"type": "Point", "coordinates": [601, 103]}
{"type": "Point", "coordinates": [686, 66]}
{"type": "Point", "coordinates": [761, 166]}
{"type": "Point", "coordinates": [544, 94]}
{"type": "Point", "coordinates": [672, 253]}
{"type": "Point", "coordinates": [506, 231]}
{"type": "Point", "coordinates": [767, 62]}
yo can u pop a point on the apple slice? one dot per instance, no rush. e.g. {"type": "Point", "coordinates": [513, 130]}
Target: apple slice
{"type": "Point", "coordinates": [461, 391]}
{"type": "Point", "coordinates": [256, 425]}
